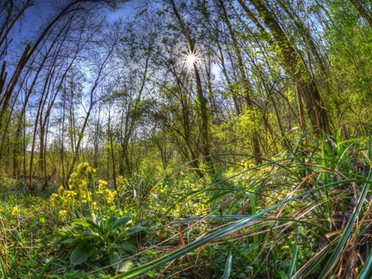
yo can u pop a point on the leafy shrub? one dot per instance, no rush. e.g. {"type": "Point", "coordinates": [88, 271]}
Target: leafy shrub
{"type": "Point", "coordinates": [100, 241]}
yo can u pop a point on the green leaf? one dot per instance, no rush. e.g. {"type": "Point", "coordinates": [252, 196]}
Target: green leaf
{"type": "Point", "coordinates": [90, 233]}
{"type": "Point", "coordinates": [125, 266]}
{"type": "Point", "coordinates": [366, 272]}
{"type": "Point", "coordinates": [135, 230]}
{"type": "Point", "coordinates": [86, 223]}
{"type": "Point", "coordinates": [67, 241]}
{"type": "Point", "coordinates": [62, 233]}
{"type": "Point", "coordinates": [3, 271]}
{"type": "Point", "coordinates": [348, 229]}
{"type": "Point", "coordinates": [292, 268]}
{"type": "Point", "coordinates": [283, 275]}
{"type": "Point", "coordinates": [16, 235]}
{"type": "Point", "coordinates": [227, 272]}
{"type": "Point", "coordinates": [81, 254]}
{"type": "Point", "coordinates": [127, 248]}
{"type": "Point", "coordinates": [29, 263]}
{"type": "Point", "coordinates": [120, 223]}
{"type": "Point", "coordinates": [82, 222]}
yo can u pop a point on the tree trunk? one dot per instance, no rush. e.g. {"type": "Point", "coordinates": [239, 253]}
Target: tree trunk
{"type": "Point", "coordinates": [246, 84]}
{"type": "Point", "coordinates": [294, 66]}
{"type": "Point", "coordinates": [202, 100]}
{"type": "Point", "coordinates": [362, 11]}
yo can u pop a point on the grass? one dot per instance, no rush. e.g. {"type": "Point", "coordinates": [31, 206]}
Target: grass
{"type": "Point", "coordinates": [306, 214]}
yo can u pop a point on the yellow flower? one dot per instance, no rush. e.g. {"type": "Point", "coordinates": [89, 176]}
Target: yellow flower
{"type": "Point", "coordinates": [61, 190]}
{"type": "Point", "coordinates": [82, 168]}
{"type": "Point", "coordinates": [68, 197]}
{"type": "Point", "coordinates": [94, 206]}
{"type": "Point", "coordinates": [83, 194]}
{"type": "Point", "coordinates": [53, 198]}
{"type": "Point", "coordinates": [121, 182]}
{"type": "Point", "coordinates": [15, 211]}
{"type": "Point", "coordinates": [110, 196]}
{"type": "Point", "coordinates": [90, 173]}
{"type": "Point", "coordinates": [83, 184]}
{"type": "Point", "coordinates": [62, 214]}
{"type": "Point", "coordinates": [102, 184]}
{"type": "Point", "coordinates": [73, 181]}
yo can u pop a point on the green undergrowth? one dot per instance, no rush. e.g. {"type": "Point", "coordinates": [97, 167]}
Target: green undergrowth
{"type": "Point", "coordinates": [304, 214]}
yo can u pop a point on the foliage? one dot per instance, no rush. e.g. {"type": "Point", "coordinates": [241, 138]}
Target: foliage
{"type": "Point", "coordinates": [100, 241]}
{"type": "Point", "coordinates": [26, 227]}
{"type": "Point", "coordinates": [119, 158]}
{"type": "Point", "coordinates": [350, 55]}
{"type": "Point", "coordinates": [83, 194]}
{"type": "Point", "coordinates": [293, 219]}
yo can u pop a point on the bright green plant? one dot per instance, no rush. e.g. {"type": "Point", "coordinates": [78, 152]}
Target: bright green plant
{"type": "Point", "coordinates": [84, 194]}
{"type": "Point", "coordinates": [294, 206]}
{"type": "Point", "coordinates": [100, 241]}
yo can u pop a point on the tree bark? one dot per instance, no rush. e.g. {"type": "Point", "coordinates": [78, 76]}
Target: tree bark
{"type": "Point", "coordinates": [246, 84]}
{"type": "Point", "coordinates": [202, 100]}
{"type": "Point", "coordinates": [294, 66]}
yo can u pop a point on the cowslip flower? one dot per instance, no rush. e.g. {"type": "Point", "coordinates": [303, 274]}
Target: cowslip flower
{"type": "Point", "coordinates": [94, 206]}
{"type": "Point", "coordinates": [15, 211]}
{"type": "Point", "coordinates": [62, 214]}
{"type": "Point", "coordinates": [102, 184]}
{"type": "Point", "coordinates": [110, 196]}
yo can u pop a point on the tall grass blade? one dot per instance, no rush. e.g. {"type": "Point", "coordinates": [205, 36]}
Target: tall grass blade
{"type": "Point", "coordinates": [228, 230]}
{"type": "Point", "coordinates": [3, 272]}
{"type": "Point", "coordinates": [366, 272]}
{"type": "Point", "coordinates": [227, 272]}
{"type": "Point", "coordinates": [292, 268]}
{"type": "Point", "coordinates": [347, 232]}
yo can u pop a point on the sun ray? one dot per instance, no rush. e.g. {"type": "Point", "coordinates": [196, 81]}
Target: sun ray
{"type": "Point", "coordinates": [191, 58]}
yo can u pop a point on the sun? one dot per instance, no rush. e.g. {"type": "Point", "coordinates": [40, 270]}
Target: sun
{"type": "Point", "coordinates": [191, 58]}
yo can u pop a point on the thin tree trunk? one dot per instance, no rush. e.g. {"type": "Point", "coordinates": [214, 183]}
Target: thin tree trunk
{"type": "Point", "coordinates": [295, 67]}
{"type": "Point", "coordinates": [112, 153]}
{"type": "Point", "coordinates": [202, 100]}
{"type": "Point", "coordinates": [362, 11]}
{"type": "Point", "coordinates": [246, 83]}
{"type": "Point", "coordinates": [87, 116]}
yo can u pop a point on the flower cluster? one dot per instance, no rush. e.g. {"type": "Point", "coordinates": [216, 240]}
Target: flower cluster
{"type": "Point", "coordinates": [83, 177]}
{"type": "Point", "coordinates": [82, 193]}
{"type": "Point", "coordinates": [16, 211]}
{"type": "Point", "coordinates": [105, 193]}
{"type": "Point", "coordinates": [62, 214]}
{"type": "Point", "coordinates": [122, 183]}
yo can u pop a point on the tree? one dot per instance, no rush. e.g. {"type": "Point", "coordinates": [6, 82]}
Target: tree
{"type": "Point", "coordinates": [350, 61]}
{"type": "Point", "coordinates": [102, 59]}
{"type": "Point", "coordinates": [247, 88]}
{"type": "Point", "coordinates": [363, 10]}
{"type": "Point", "coordinates": [202, 100]}
{"type": "Point", "coordinates": [293, 64]}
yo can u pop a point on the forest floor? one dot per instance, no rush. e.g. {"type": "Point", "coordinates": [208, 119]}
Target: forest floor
{"type": "Point", "coordinates": [292, 217]}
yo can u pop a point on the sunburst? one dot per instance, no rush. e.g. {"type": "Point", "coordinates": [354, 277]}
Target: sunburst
{"type": "Point", "coordinates": [191, 58]}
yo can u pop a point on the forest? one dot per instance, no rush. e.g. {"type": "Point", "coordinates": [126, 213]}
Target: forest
{"type": "Point", "coordinates": [186, 139]}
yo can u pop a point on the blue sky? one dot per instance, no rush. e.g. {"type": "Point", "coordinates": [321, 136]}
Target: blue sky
{"type": "Point", "coordinates": [42, 11]}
